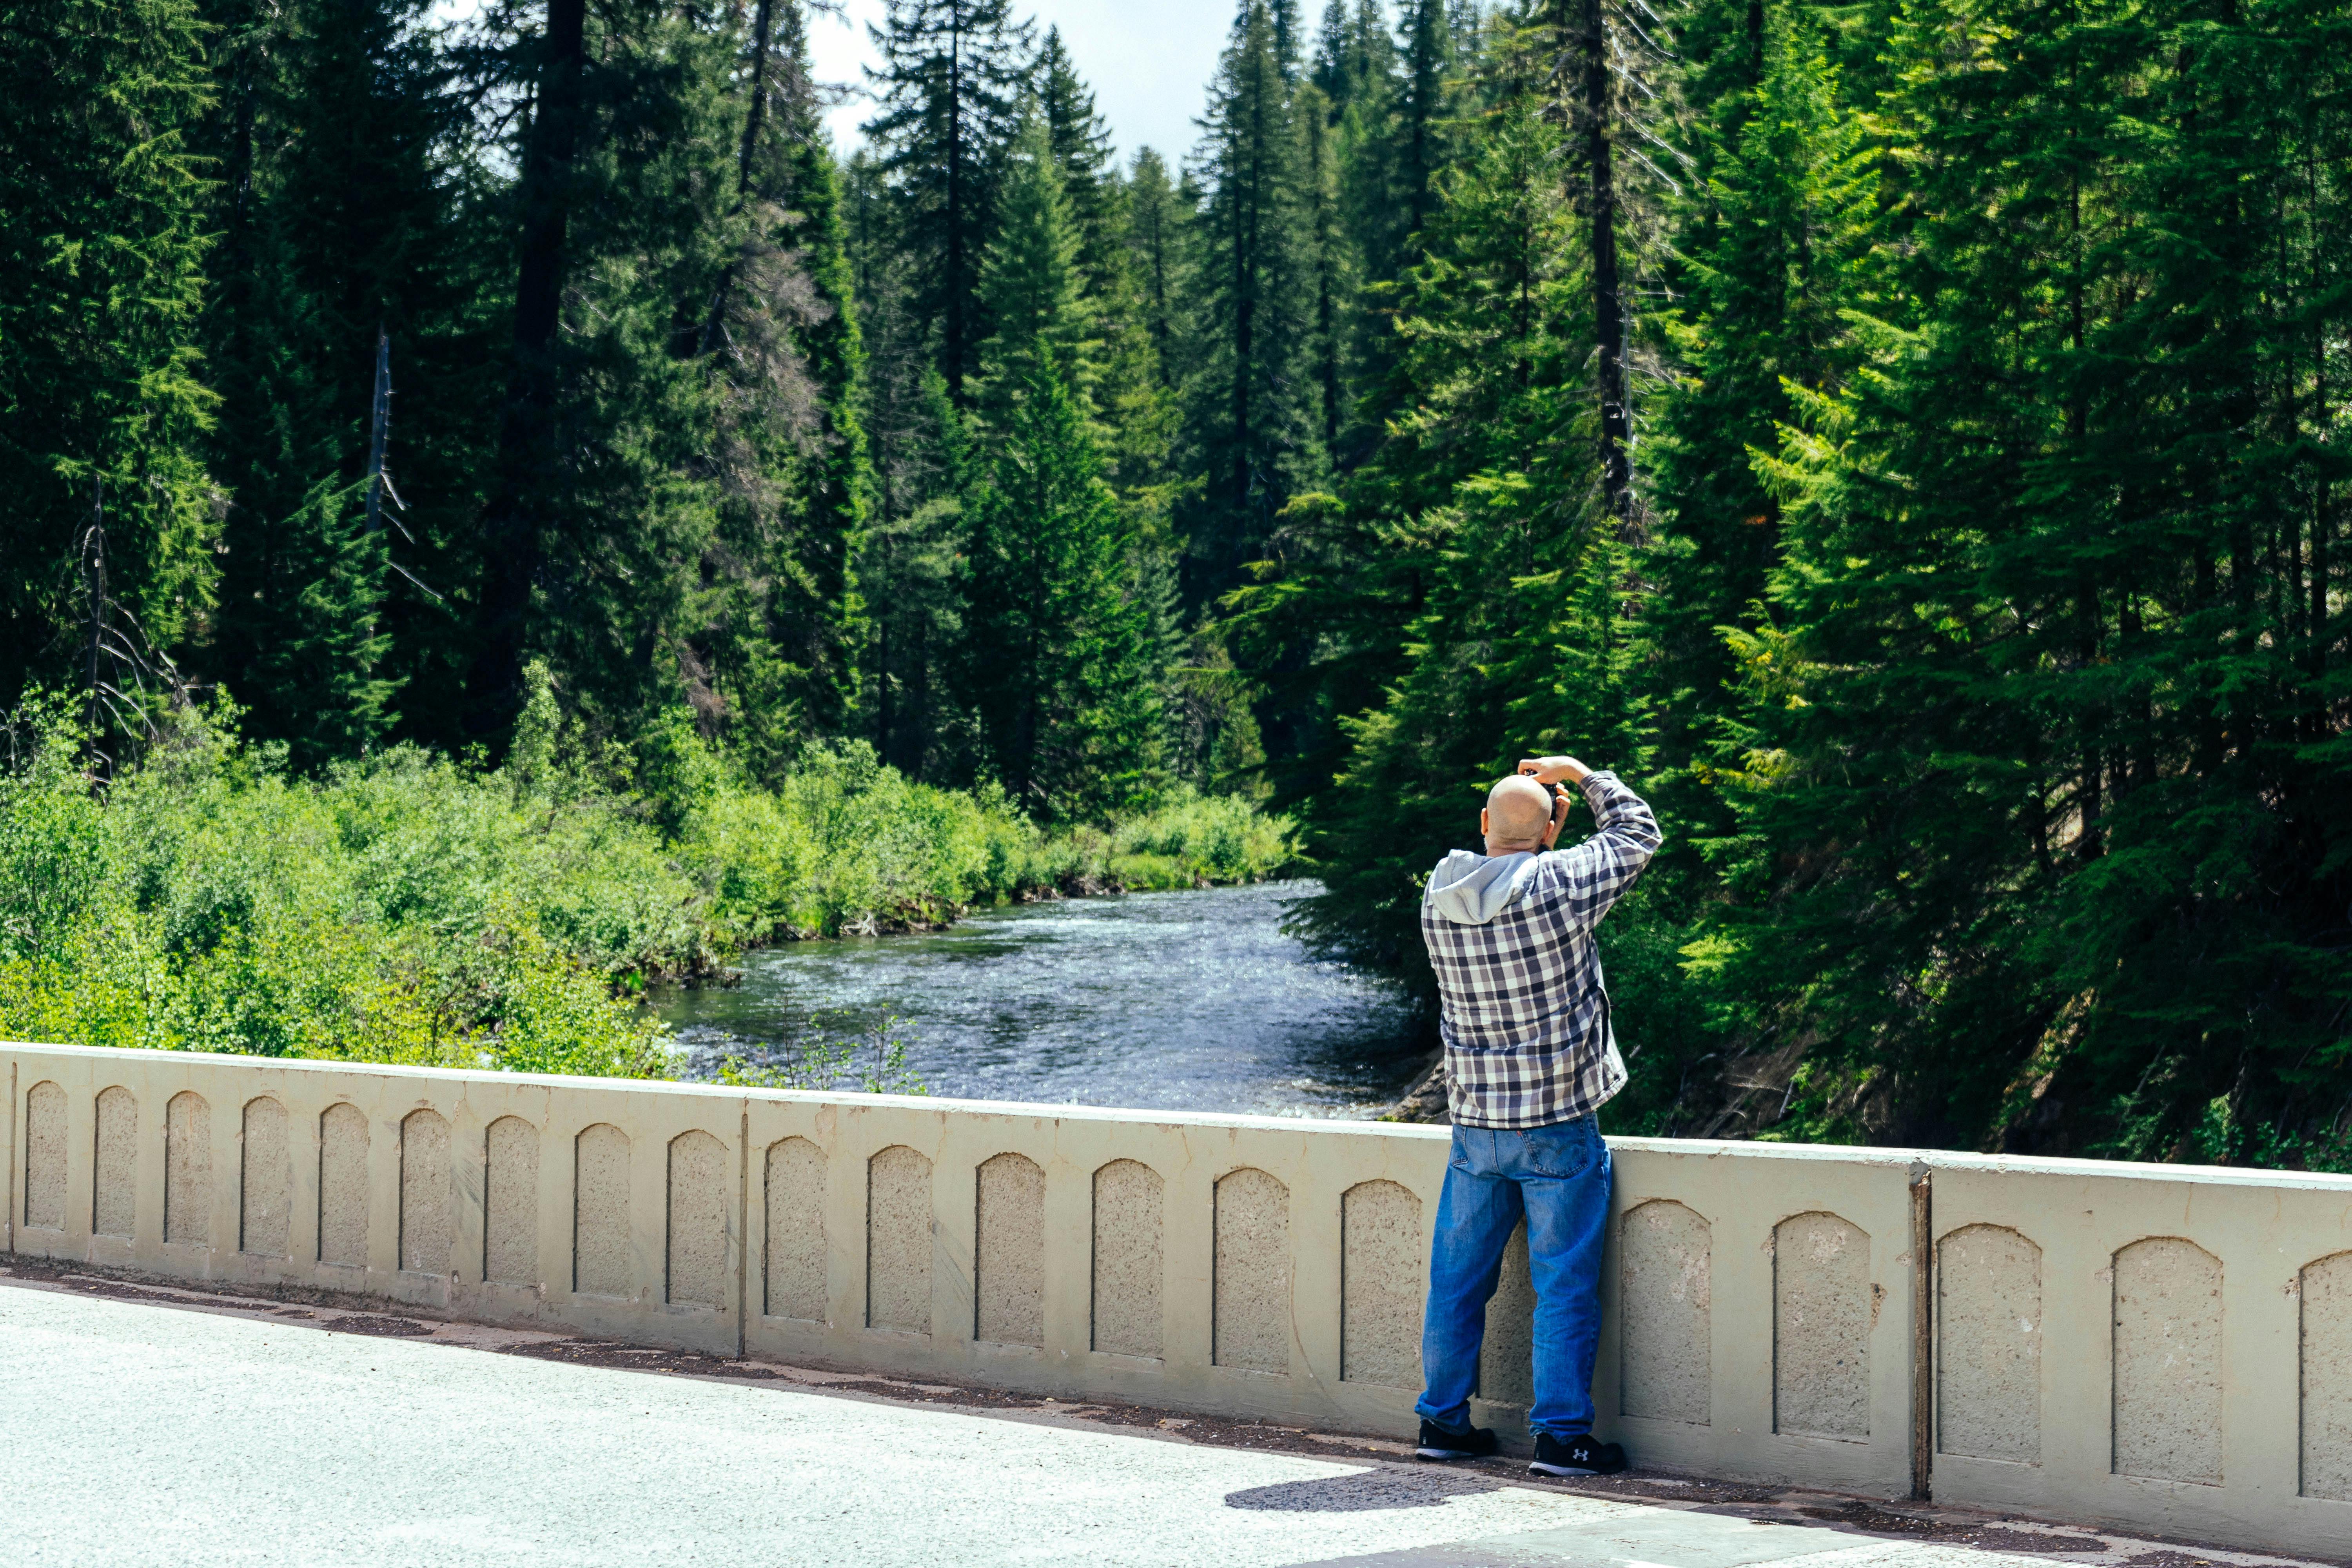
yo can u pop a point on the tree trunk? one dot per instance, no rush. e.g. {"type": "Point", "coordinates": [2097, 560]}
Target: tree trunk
{"type": "Point", "coordinates": [510, 523]}
{"type": "Point", "coordinates": [954, 326]}
{"type": "Point", "coordinates": [1607, 307]}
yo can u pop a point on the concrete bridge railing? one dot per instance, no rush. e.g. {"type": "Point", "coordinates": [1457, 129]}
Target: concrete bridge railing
{"type": "Point", "coordinates": [2155, 1348]}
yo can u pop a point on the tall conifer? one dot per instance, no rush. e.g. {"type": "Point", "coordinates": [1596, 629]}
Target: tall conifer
{"type": "Point", "coordinates": [1056, 656]}
{"type": "Point", "coordinates": [1790, 230]}
{"type": "Point", "coordinates": [2047, 865]}
{"type": "Point", "coordinates": [100, 286]}
{"type": "Point", "coordinates": [1254, 421]}
{"type": "Point", "coordinates": [951, 72]}
{"type": "Point", "coordinates": [1158, 234]}
{"type": "Point", "coordinates": [780, 617]}
{"type": "Point", "coordinates": [344, 221]}
{"type": "Point", "coordinates": [613, 466]}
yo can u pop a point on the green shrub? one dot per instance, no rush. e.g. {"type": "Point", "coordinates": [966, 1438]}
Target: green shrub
{"type": "Point", "coordinates": [408, 909]}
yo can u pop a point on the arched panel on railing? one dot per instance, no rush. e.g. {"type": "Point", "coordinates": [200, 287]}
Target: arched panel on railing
{"type": "Point", "coordinates": [899, 1240]}
{"type": "Point", "coordinates": [600, 1211]}
{"type": "Point", "coordinates": [1251, 1318]}
{"type": "Point", "coordinates": [1506, 1356]}
{"type": "Point", "coordinates": [343, 1186]}
{"type": "Point", "coordinates": [696, 1240]}
{"type": "Point", "coordinates": [1989, 1345]}
{"type": "Point", "coordinates": [795, 1235]}
{"type": "Point", "coordinates": [510, 1201]}
{"type": "Point", "coordinates": [2167, 1360]}
{"type": "Point", "coordinates": [1129, 1238]}
{"type": "Point", "coordinates": [1820, 1327]}
{"type": "Point", "coordinates": [264, 1182]}
{"type": "Point", "coordinates": [115, 1181]}
{"type": "Point", "coordinates": [2324, 1297]}
{"type": "Point", "coordinates": [188, 1170]}
{"type": "Point", "coordinates": [428, 1194]}
{"type": "Point", "coordinates": [1383, 1260]}
{"type": "Point", "coordinates": [1009, 1252]}
{"type": "Point", "coordinates": [1667, 1250]}
{"type": "Point", "coordinates": [45, 1157]}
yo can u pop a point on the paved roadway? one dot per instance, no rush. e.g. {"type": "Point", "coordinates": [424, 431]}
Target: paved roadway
{"type": "Point", "coordinates": [139, 1434]}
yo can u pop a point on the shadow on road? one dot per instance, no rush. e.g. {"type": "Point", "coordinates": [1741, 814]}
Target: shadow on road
{"type": "Point", "coordinates": [1362, 1491]}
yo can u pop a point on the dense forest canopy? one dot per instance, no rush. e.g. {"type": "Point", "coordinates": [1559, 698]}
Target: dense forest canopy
{"type": "Point", "coordinates": [1904, 438]}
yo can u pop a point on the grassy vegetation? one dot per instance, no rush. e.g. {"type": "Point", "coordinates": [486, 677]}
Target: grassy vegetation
{"type": "Point", "coordinates": [412, 909]}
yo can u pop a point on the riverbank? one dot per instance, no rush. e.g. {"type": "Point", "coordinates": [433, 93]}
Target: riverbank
{"type": "Point", "coordinates": [413, 909]}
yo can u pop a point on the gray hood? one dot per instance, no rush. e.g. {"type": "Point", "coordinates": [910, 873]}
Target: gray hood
{"type": "Point", "coordinates": [1471, 889]}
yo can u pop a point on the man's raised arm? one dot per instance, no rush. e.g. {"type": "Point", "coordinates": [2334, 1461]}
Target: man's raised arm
{"type": "Point", "coordinates": [1593, 875]}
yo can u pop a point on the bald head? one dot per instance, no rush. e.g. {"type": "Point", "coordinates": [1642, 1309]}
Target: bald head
{"type": "Point", "coordinates": [1518, 812]}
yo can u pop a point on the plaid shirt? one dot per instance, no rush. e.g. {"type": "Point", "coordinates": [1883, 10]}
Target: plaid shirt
{"type": "Point", "coordinates": [1523, 1015]}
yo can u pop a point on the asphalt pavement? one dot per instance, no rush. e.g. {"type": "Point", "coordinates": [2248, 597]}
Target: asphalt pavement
{"type": "Point", "coordinates": [143, 1433]}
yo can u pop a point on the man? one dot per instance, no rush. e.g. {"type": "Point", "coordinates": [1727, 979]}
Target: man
{"type": "Point", "coordinates": [1529, 1058]}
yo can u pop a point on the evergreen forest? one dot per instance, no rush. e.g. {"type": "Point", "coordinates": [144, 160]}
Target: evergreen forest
{"type": "Point", "coordinates": [1907, 439]}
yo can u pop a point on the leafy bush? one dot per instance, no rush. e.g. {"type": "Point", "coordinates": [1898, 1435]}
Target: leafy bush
{"type": "Point", "coordinates": [408, 908]}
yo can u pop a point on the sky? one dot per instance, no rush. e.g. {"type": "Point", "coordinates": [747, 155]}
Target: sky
{"type": "Point", "coordinates": [1149, 62]}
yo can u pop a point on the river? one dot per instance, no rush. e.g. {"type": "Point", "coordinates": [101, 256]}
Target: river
{"type": "Point", "coordinates": [1185, 1001]}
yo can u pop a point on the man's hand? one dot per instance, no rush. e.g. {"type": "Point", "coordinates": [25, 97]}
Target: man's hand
{"type": "Point", "coordinates": [1554, 770]}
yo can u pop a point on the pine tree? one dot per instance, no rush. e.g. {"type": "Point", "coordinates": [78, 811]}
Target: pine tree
{"type": "Point", "coordinates": [1789, 227]}
{"type": "Point", "coordinates": [1158, 232]}
{"type": "Point", "coordinates": [1456, 598]}
{"type": "Point", "coordinates": [1366, 248]}
{"type": "Point", "coordinates": [100, 280]}
{"type": "Point", "coordinates": [1423, 135]}
{"type": "Point", "coordinates": [521, 512]}
{"type": "Point", "coordinates": [1290, 37]}
{"type": "Point", "coordinates": [1254, 420]}
{"type": "Point", "coordinates": [2052, 860]}
{"type": "Point", "coordinates": [315, 659]}
{"type": "Point", "coordinates": [951, 73]}
{"type": "Point", "coordinates": [99, 283]}
{"type": "Point", "coordinates": [1082, 151]}
{"type": "Point", "coordinates": [1329, 260]}
{"type": "Point", "coordinates": [1130, 395]}
{"type": "Point", "coordinates": [1592, 97]}
{"type": "Point", "coordinates": [343, 224]}
{"type": "Point", "coordinates": [606, 494]}
{"type": "Point", "coordinates": [1327, 68]}
{"type": "Point", "coordinates": [906, 562]}
{"type": "Point", "coordinates": [1056, 654]}
{"type": "Point", "coordinates": [779, 608]}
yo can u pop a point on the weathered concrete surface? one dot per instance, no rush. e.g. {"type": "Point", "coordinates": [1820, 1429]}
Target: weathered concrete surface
{"type": "Point", "coordinates": [1821, 1311]}
{"type": "Point", "coordinates": [795, 1248]}
{"type": "Point", "coordinates": [1009, 1252]}
{"type": "Point", "coordinates": [1381, 1270]}
{"type": "Point", "coordinates": [898, 1241]}
{"type": "Point", "coordinates": [1664, 1253]}
{"type": "Point", "coordinates": [343, 1186]}
{"type": "Point", "coordinates": [1989, 1375]}
{"type": "Point", "coordinates": [428, 1208]}
{"type": "Point", "coordinates": [510, 1203]}
{"type": "Point", "coordinates": [114, 1212]}
{"type": "Point", "coordinates": [265, 1181]}
{"type": "Point", "coordinates": [149, 1433]}
{"type": "Point", "coordinates": [1252, 1282]}
{"type": "Point", "coordinates": [1128, 1259]}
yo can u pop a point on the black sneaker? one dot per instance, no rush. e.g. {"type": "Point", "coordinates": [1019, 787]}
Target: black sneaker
{"type": "Point", "coordinates": [1577, 1455]}
{"type": "Point", "coordinates": [1454, 1443]}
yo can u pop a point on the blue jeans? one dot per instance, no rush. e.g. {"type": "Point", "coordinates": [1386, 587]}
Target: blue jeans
{"type": "Point", "coordinates": [1558, 1177]}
